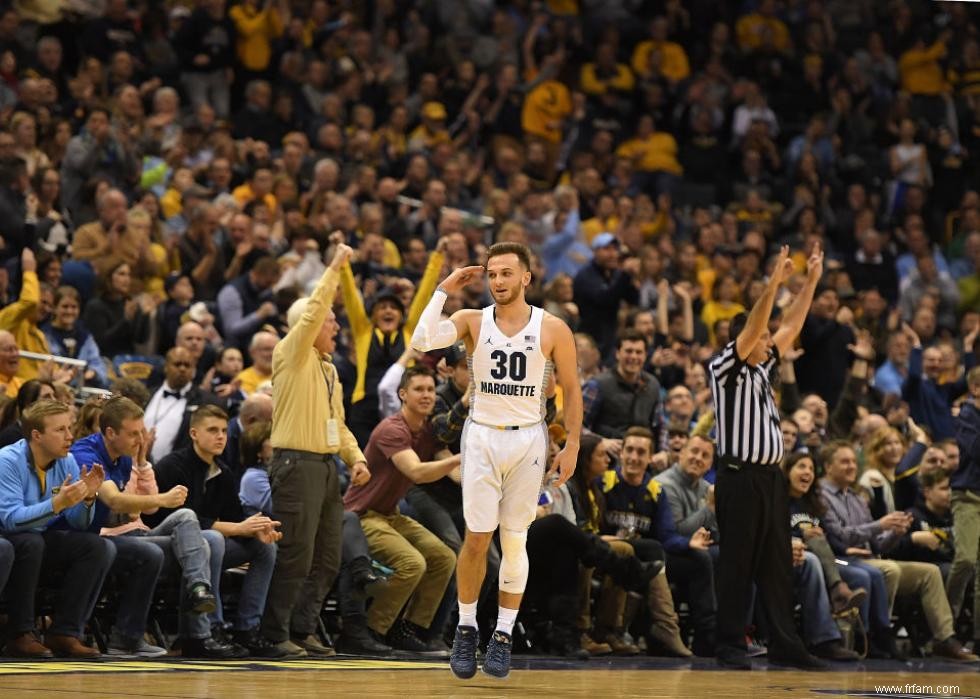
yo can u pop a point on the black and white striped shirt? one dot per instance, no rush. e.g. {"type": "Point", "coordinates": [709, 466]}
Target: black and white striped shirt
{"type": "Point", "coordinates": [746, 417]}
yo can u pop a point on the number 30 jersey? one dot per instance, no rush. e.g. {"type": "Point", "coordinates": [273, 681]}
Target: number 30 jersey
{"type": "Point", "coordinates": [509, 374]}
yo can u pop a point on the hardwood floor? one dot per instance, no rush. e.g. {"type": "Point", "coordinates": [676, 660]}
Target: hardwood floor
{"type": "Point", "coordinates": [544, 678]}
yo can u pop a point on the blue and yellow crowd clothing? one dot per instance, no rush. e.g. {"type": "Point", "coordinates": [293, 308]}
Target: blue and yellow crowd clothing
{"type": "Point", "coordinates": [642, 510]}
{"type": "Point", "coordinates": [921, 72]}
{"type": "Point", "coordinates": [256, 28]}
{"type": "Point", "coordinates": [375, 351]}
{"type": "Point", "coordinates": [673, 60]}
{"type": "Point", "coordinates": [27, 492]}
{"type": "Point", "coordinates": [594, 82]}
{"type": "Point", "coordinates": [751, 31]}
{"type": "Point", "coordinates": [655, 153]}
{"type": "Point", "coordinates": [545, 108]}
{"type": "Point", "coordinates": [19, 319]}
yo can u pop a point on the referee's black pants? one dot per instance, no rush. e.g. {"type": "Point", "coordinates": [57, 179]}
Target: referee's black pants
{"type": "Point", "coordinates": [752, 507]}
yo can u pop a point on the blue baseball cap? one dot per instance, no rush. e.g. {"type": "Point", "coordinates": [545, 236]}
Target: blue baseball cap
{"type": "Point", "coordinates": [604, 240]}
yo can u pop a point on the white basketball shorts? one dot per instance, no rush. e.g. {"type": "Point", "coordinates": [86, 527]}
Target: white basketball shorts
{"type": "Point", "coordinates": [502, 472]}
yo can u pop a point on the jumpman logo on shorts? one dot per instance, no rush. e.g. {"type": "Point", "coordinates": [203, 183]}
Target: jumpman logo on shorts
{"type": "Point", "coordinates": [535, 461]}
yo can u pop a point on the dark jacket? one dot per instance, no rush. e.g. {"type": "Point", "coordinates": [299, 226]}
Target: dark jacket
{"type": "Point", "coordinates": [824, 364]}
{"type": "Point", "coordinates": [114, 334]}
{"type": "Point", "coordinates": [16, 232]}
{"type": "Point", "coordinates": [612, 405]}
{"type": "Point", "coordinates": [199, 34]}
{"type": "Point", "coordinates": [967, 430]}
{"type": "Point", "coordinates": [232, 455]}
{"type": "Point", "coordinates": [598, 294]}
{"type": "Point", "coordinates": [211, 499]}
{"type": "Point", "coordinates": [871, 275]}
{"type": "Point", "coordinates": [929, 402]}
{"type": "Point", "coordinates": [925, 521]}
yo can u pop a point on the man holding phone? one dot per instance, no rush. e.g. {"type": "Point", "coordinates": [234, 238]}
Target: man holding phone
{"type": "Point", "coordinates": [853, 534]}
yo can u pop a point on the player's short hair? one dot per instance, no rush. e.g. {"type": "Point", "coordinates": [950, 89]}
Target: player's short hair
{"type": "Point", "coordinates": [523, 254]}
{"type": "Point", "coordinates": [206, 411]}
{"type": "Point", "coordinates": [412, 372]}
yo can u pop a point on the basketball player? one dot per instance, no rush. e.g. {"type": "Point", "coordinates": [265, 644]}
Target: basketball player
{"type": "Point", "coordinates": [512, 349]}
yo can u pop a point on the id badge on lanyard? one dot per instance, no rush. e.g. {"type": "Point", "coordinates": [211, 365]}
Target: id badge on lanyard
{"type": "Point", "coordinates": [333, 428]}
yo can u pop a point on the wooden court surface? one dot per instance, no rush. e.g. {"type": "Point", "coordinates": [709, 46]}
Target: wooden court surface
{"type": "Point", "coordinates": [364, 678]}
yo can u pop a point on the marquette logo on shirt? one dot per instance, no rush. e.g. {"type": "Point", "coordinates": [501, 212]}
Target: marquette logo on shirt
{"type": "Point", "coordinates": [507, 389]}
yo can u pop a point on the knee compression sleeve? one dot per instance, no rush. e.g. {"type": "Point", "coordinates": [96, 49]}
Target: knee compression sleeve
{"type": "Point", "coordinates": [513, 563]}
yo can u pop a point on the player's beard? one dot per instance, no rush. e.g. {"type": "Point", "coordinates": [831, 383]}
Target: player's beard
{"type": "Point", "coordinates": [510, 296]}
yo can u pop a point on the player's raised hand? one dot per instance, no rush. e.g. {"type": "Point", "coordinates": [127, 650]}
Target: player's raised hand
{"type": "Point", "coordinates": [564, 464]}
{"type": "Point", "coordinates": [461, 277]}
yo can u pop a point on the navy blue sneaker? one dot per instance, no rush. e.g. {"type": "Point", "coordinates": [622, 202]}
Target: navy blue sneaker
{"type": "Point", "coordinates": [497, 661]}
{"type": "Point", "coordinates": [462, 661]}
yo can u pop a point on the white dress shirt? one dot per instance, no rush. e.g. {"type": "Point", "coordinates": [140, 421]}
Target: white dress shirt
{"type": "Point", "coordinates": [165, 413]}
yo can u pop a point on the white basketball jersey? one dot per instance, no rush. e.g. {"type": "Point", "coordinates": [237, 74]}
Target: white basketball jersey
{"type": "Point", "coordinates": [509, 374]}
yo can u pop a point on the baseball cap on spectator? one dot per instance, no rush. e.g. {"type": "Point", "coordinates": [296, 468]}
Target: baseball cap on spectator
{"type": "Point", "coordinates": [604, 240]}
{"type": "Point", "coordinates": [455, 354]}
{"type": "Point", "coordinates": [434, 111]}
{"type": "Point", "coordinates": [386, 294]}
{"type": "Point", "coordinates": [171, 281]}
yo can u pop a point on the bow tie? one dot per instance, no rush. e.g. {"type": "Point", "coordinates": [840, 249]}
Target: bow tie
{"type": "Point", "coordinates": [171, 394]}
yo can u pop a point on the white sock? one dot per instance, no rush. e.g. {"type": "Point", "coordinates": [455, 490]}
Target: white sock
{"type": "Point", "coordinates": [505, 619]}
{"type": "Point", "coordinates": [467, 614]}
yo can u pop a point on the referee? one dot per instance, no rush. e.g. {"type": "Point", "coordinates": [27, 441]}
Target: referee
{"type": "Point", "coordinates": [307, 431]}
{"type": "Point", "coordinates": [751, 501]}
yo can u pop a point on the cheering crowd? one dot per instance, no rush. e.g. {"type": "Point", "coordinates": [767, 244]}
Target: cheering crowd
{"type": "Point", "coordinates": [174, 176]}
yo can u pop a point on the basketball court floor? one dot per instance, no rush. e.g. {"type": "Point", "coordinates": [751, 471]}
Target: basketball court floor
{"type": "Point", "coordinates": [532, 677]}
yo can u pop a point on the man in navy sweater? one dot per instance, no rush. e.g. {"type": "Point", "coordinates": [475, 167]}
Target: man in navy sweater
{"type": "Point", "coordinates": [965, 483]}
{"type": "Point", "coordinates": [637, 509]}
{"type": "Point", "coordinates": [930, 401]}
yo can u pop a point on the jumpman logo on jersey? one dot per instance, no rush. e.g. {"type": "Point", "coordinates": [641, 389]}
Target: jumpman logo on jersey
{"type": "Point", "coordinates": [489, 341]}
{"type": "Point", "coordinates": [535, 461]}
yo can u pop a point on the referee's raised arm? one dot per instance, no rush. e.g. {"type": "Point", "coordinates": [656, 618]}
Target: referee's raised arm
{"type": "Point", "coordinates": [758, 320]}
